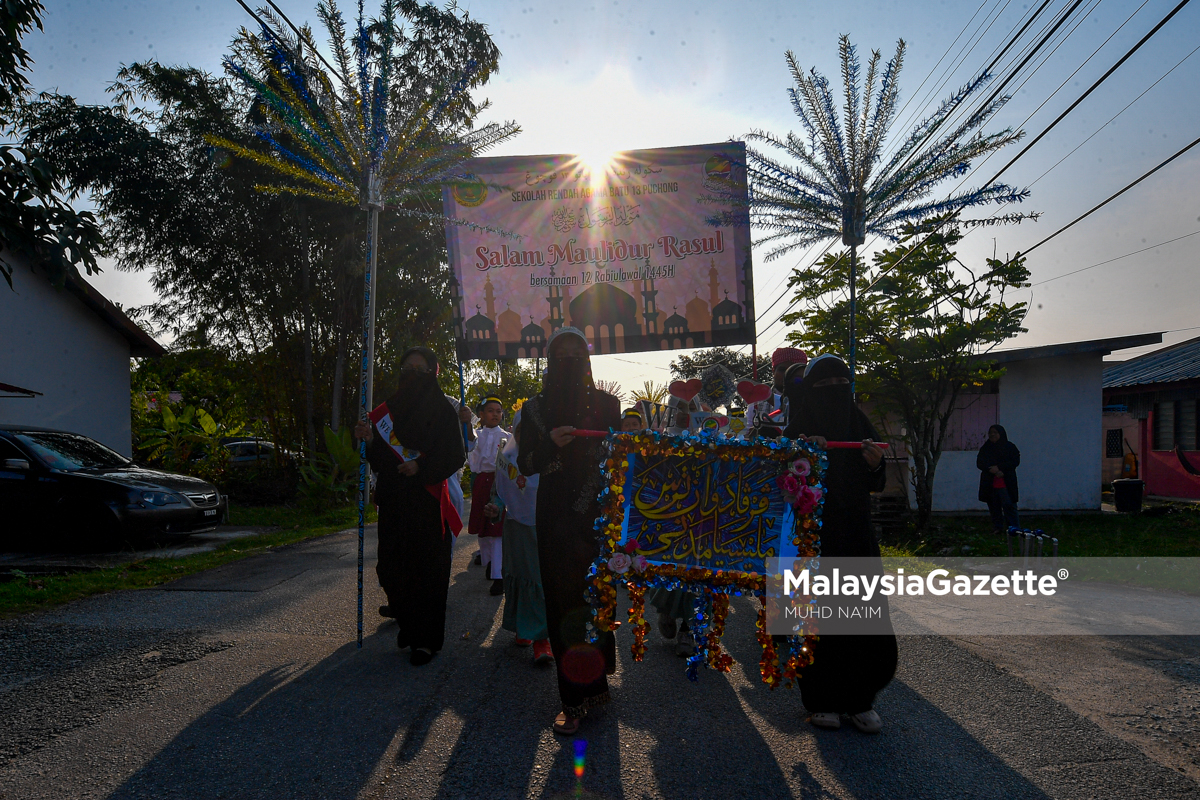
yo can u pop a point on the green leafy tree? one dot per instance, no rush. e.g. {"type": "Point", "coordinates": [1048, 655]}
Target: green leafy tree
{"type": "Point", "coordinates": [272, 283]}
{"type": "Point", "coordinates": [927, 324]}
{"type": "Point", "coordinates": [740, 364]}
{"type": "Point", "coordinates": [37, 227]}
{"type": "Point", "coordinates": [510, 380]}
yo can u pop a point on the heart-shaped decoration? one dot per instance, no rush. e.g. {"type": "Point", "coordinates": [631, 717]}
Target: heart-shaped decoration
{"type": "Point", "coordinates": [685, 390]}
{"type": "Point", "coordinates": [753, 392]}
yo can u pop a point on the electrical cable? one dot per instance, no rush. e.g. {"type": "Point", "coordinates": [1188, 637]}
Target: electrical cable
{"type": "Point", "coordinates": [299, 35]}
{"type": "Point", "coordinates": [1112, 197]}
{"type": "Point", "coordinates": [1095, 85]}
{"type": "Point", "coordinates": [1111, 260]}
{"type": "Point", "coordinates": [1111, 119]}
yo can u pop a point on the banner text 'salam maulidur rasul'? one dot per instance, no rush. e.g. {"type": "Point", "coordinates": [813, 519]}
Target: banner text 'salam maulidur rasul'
{"type": "Point", "coordinates": [628, 256]}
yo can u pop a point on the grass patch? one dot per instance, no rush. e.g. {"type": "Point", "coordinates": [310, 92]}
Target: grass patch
{"type": "Point", "coordinates": [25, 594]}
{"type": "Point", "coordinates": [1168, 531]}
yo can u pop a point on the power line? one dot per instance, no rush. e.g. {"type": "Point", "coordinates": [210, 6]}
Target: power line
{"type": "Point", "coordinates": [1094, 86]}
{"type": "Point", "coordinates": [300, 37]}
{"type": "Point", "coordinates": [1110, 120]}
{"type": "Point", "coordinates": [1108, 200]}
{"type": "Point", "coordinates": [1111, 260]}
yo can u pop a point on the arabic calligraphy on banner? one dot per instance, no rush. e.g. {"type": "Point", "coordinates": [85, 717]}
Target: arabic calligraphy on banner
{"type": "Point", "coordinates": [624, 251]}
{"type": "Point", "coordinates": [705, 512]}
{"type": "Point", "coordinates": [706, 515]}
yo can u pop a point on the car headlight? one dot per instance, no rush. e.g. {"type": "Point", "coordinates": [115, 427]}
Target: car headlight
{"type": "Point", "coordinates": [161, 498]}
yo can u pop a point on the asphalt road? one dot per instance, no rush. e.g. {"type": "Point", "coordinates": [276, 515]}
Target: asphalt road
{"type": "Point", "coordinates": [245, 682]}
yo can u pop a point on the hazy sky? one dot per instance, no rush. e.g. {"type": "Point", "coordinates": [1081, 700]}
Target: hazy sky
{"type": "Point", "coordinates": [616, 74]}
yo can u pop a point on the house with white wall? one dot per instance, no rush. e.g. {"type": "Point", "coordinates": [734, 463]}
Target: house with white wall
{"type": "Point", "coordinates": [64, 357]}
{"type": "Point", "coordinates": [1050, 401]}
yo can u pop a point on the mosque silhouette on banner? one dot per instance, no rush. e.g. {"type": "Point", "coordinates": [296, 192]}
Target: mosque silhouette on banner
{"type": "Point", "coordinates": [610, 318]}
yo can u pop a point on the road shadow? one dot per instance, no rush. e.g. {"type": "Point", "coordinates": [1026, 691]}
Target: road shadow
{"type": "Point", "coordinates": [292, 732]}
{"type": "Point", "coordinates": [921, 753]}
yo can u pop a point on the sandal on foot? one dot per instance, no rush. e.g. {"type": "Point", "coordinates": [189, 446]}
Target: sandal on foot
{"type": "Point", "coordinates": [829, 720]}
{"type": "Point", "coordinates": [867, 721]}
{"type": "Point", "coordinates": [566, 726]}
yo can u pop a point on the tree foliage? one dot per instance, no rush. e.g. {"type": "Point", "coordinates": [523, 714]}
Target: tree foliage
{"type": "Point", "coordinates": [740, 364]}
{"type": "Point", "coordinates": [927, 322]}
{"type": "Point", "coordinates": [37, 227]}
{"type": "Point", "coordinates": [272, 283]}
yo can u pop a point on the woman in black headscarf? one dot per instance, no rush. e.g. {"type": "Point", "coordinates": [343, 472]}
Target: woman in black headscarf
{"type": "Point", "coordinates": [415, 538]}
{"type": "Point", "coordinates": [847, 671]}
{"type": "Point", "coordinates": [571, 479]}
{"type": "Point", "coordinates": [998, 460]}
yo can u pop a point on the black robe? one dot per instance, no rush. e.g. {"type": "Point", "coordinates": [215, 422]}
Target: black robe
{"type": "Point", "coordinates": [847, 671]}
{"type": "Point", "coordinates": [414, 544]}
{"type": "Point", "coordinates": [567, 508]}
{"type": "Point", "coordinates": [1003, 454]}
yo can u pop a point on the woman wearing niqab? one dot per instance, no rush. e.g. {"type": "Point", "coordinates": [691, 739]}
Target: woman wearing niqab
{"type": "Point", "coordinates": [847, 671]}
{"type": "Point", "coordinates": [570, 479]}
{"type": "Point", "coordinates": [415, 539]}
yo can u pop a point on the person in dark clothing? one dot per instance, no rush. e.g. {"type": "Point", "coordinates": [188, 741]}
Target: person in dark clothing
{"type": "Point", "coordinates": [417, 520]}
{"type": "Point", "coordinates": [570, 480]}
{"type": "Point", "coordinates": [998, 460]}
{"type": "Point", "coordinates": [847, 671]}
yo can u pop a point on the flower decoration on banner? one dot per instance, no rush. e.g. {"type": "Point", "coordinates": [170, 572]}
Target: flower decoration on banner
{"type": "Point", "coordinates": [717, 386]}
{"type": "Point", "coordinates": [646, 525]}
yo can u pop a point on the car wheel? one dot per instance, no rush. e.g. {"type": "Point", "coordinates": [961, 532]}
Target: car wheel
{"type": "Point", "coordinates": [91, 527]}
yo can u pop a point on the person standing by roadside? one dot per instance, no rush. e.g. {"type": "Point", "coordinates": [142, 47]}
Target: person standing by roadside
{"type": "Point", "coordinates": [998, 460]}
{"type": "Point", "coordinates": [487, 525]}
{"type": "Point", "coordinates": [571, 478]}
{"type": "Point", "coordinates": [423, 447]}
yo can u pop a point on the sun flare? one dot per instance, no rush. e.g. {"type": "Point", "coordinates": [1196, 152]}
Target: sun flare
{"type": "Point", "coordinates": [597, 163]}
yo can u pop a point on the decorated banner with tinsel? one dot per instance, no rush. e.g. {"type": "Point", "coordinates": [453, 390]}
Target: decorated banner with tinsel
{"type": "Point", "coordinates": [703, 514]}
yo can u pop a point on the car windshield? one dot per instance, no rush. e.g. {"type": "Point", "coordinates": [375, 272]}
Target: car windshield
{"type": "Point", "coordinates": [70, 451]}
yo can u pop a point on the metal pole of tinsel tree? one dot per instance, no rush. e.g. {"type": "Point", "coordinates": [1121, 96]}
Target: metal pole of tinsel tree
{"type": "Point", "coordinates": [853, 309]}
{"type": "Point", "coordinates": [366, 376]}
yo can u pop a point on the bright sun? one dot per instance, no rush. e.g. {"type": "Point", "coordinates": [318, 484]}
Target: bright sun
{"type": "Point", "coordinates": [597, 163]}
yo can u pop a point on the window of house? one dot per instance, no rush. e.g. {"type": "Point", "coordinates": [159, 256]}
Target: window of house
{"type": "Point", "coordinates": [1185, 431]}
{"type": "Point", "coordinates": [1164, 425]}
{"type": "Point", "coordinates": [1112, 443]}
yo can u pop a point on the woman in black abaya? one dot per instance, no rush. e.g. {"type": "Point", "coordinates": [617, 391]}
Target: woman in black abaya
{"type": "Point", "coordinates": [571, 479]}
{"type": "Point", "coordinates": [414, 538]}
{"type": "Point", "coordinates": [847, 671]}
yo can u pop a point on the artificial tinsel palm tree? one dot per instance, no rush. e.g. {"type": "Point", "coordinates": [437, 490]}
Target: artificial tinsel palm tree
{"type": "Point", "coordinates": [373, 131]}
{"type": "Point", "coordinates": [831, 180]}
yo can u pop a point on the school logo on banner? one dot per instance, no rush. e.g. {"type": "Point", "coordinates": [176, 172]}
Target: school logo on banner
{"type": "Point", "coordinates": [470, 195]}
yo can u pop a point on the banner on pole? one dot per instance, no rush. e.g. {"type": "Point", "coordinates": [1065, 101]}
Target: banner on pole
{"type": "Point", "coordinates": [622, 250]}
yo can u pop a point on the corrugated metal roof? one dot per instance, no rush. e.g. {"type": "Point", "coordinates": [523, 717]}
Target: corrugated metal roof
{"type": "Point", "coordinates": [1180, 362]}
